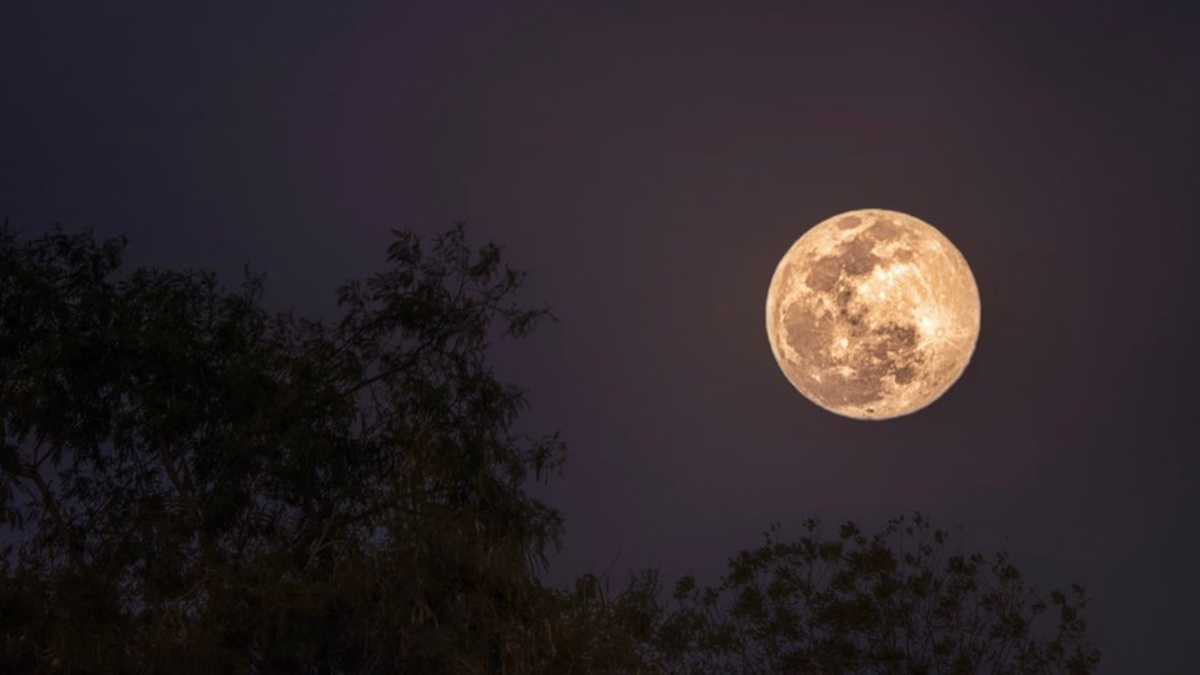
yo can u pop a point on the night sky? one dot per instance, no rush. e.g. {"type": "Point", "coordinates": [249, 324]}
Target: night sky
{"type": "Point", "coordinates": [650, 163]}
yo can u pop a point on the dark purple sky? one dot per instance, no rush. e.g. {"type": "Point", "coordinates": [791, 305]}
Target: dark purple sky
{"type": "Point", "coordinates": [651, 164]}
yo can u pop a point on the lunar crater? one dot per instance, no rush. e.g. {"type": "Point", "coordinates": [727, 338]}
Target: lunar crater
{"type": "Point", "coordinates": [873, 314]}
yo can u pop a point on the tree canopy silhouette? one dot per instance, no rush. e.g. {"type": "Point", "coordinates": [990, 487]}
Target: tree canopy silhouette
{"type": "Point", "coordinates": [905, 600]}
{"type": "Point", "coordinates": [207, 486]}
{"type": "Point", "coordinates": [189, 484]}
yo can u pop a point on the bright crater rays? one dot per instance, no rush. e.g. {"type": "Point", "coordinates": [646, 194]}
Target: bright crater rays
{"type": "Point", "coordinates": [873, 314]}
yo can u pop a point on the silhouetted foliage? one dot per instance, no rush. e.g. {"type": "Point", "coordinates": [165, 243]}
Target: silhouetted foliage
{"type": "Point", "coordinates": [208, 488]}
{"type": "Point", "coordinates": [901, 601]}
{"type": "Point", "coordinates": [191, 485]}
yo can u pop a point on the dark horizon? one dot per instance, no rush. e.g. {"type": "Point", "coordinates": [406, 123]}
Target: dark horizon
{"type": "Point", "coordinates": [649, 166]}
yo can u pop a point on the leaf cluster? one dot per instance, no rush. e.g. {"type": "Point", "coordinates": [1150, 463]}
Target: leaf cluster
{"type": "Point", "coordinates": [904, 600]}
{"type": "Point", "coordinates": [193, 484]}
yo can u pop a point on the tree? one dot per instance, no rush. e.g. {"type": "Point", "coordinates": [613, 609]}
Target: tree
{"type": "Point", "coordinates": [902, 601]}
{"type": "Point", "coordinates": [193, 485]}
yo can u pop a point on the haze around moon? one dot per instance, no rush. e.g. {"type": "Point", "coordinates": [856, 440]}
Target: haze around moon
{"type": "Point", "coordinates": [873, 314]}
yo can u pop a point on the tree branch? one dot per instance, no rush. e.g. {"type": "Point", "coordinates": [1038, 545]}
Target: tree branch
{"type": "Point", "coordinates": [33, 472]}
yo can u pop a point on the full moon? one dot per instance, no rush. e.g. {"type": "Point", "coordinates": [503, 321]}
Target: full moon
{"type": "Point", "coordinates": [873, 314]}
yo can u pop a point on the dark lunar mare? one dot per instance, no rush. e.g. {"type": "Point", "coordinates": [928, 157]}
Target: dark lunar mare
{"type": "Point", "coordinates": [890, 350]}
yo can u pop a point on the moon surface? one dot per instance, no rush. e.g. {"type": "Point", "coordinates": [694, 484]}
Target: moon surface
{"type": "Point", "coordinates": [873, 314]}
